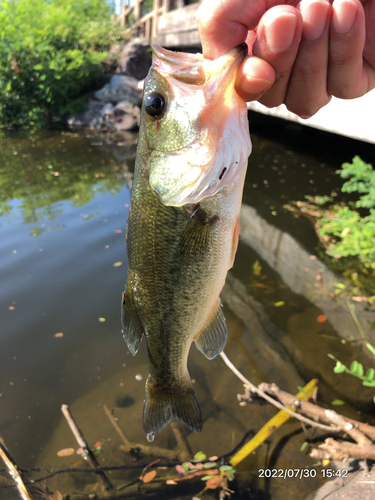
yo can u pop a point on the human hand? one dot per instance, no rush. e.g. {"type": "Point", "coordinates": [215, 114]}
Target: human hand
{"type": "Point", "coordinates": [299, 55]}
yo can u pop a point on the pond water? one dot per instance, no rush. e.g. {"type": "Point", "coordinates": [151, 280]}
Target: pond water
{"type": "Point", "coordinates": [64, 199]}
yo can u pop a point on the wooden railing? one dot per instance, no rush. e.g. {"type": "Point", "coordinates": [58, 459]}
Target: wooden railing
{"type": "Point", "coordinates": [170, 23]}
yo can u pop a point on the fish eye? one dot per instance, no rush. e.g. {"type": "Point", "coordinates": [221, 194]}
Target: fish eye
{"type": "Point", "coordinates": [154, 104]}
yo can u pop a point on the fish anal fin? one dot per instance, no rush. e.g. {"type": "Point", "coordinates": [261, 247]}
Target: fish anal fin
{"type": "Point", "coordinates": [131, 327]}
{"type": "Point", "coordinates": [198, 235]}
{"type": "Point", "coordinates": [212, 339]}
{"type": "Point", "coordinates": [163, 404]}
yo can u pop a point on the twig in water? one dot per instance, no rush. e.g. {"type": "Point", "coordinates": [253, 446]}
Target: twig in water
{"type": "Point", "coordinates": [277, 421]}
{"type": "Point", "coordinates": [116, 425]}
{"type": "Point", "coordinates": [349, 428]}
{"type": "Point", "coordinates": [129, 447]}
{"type": "Point", "coordinates": [181, 441]}
{"type": "Point", "coordinates": [276, 403]}
{"type": "Point", "coordinates": [355, 319]}
{"type": "Point", "coordinates": [12, 469]}
{"type": "Point", "coordinates": [333, 450]}
{"type": "Point", "coordinates": [83, 444]}
{"type": "Point", "coordinates": [315, 411]}
{"type": "Point", "coordinates": [148, 466]}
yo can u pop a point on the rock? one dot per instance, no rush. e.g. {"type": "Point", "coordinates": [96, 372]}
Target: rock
{"type": "Point", "coordinates": [92, 117]}
{"type": "Point", "coordinates": [112, 58]}
{"type": "Point", "coordinates": [124, 116]}
{"type": "Point", "coordinates": [358, 485]}
{"type": "Point", "coordinates": [120, 88]}
{"type": "Point", "coordinates": [135, 58]}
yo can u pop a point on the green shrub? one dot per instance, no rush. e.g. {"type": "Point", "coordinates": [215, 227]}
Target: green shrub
{"type": "Point", "coordinates": [352, 232]}
{"type": "Point", "coordinates": [50, 52]}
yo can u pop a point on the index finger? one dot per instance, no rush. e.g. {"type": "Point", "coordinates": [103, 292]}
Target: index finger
{"type": "Point", "coordinates": [224, 24]}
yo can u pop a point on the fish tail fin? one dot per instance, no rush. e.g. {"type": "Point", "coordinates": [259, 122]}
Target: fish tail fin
{"type": "Point", "coordinates": [164, 404]}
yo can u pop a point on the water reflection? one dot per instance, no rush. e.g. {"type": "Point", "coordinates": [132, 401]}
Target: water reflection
{"type": "Point", "coordinates": [39, 172]}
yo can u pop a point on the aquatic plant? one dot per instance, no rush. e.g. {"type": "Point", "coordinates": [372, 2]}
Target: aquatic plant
{"type": "Point", "coordinates": [351, 232]}
{"type": "Point", "coordinates": [347, 230]}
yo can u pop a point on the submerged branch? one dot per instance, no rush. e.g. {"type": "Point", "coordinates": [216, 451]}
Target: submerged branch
{"type": "Point", "coordinates": [315, 411]}
{"type": "Point", "coordinates": [117, 427]}
{"type": "Point", "coordinates": [13, 471]}
{"type": "Point", "coordinates": [153, 451]}
{"type": "Point", "coordinates": [78, 434]}
{"type": "Point", "coordinates": [182, 442]}
{"type": "Point", "coordinates": [333, 450]}
{"type": "Point", "coordinates": [276, 403]}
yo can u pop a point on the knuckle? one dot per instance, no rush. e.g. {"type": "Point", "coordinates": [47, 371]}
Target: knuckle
{"type": "Point", "coordinates": [342, 92]}
{"type": "Point", "coordinates": [270, 101]}
{"type": "Point", "coordinates": [306, 109]}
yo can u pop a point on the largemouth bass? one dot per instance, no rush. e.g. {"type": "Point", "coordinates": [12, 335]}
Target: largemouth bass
{"type": "Point", "coordinates": [182, 229]}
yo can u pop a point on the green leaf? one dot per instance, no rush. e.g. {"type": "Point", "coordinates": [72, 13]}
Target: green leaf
{"type": "Point", "coordinates": [209, 465]}
{"type": "Point", "coordinates": [339, 368]}
{"type": "Point", "coordinates": [38, 67]}
{"type": "Point", "coordinates": [224, 468]}
{"type": "Point", "coordinates": [337, 402]}
{"type": "Point", "coordinates": [369, 383]}
{"type": "Point", "coordinates": [301, 389]}
{"type": "Point", "coordinates": [206, 478]}
{"type": "Point", "coordinates": [304, 446]}
{"type": "Point", "coordinates": [185, 466]}
{"type": "Point", "coordinates": [370, 348]}
{"type": "Point", "coordinates": [353, 367]}
{"type": "Point", "coordinates": [370, 374]}
{"type": "Point", "coordinates": [279, 304]}
{"type": "Point", "coordinates": [200, 456]}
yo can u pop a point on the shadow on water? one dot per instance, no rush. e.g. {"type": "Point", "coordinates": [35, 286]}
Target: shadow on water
{"type": "Point", "coordinates": [63, 205]}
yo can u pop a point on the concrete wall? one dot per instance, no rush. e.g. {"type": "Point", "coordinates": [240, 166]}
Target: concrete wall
{"type": "Point", "coordinates": [353, 118]}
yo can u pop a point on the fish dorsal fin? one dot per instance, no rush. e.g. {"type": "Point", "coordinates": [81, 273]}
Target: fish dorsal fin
{"type": "Point", "coordinates": [198, 234]}
{"type": "Point", "coordinates": [131, 327]}
{"type": "Point", "coordinates": [211, 341]}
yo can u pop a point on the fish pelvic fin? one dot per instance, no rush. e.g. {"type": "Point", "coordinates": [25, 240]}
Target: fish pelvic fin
{"type": "Point", "coordinates": [163, 404]}
{"type": "Point", "coordinates": [211, 341]}
{"type": "Point", "coordinates": [131, 327]}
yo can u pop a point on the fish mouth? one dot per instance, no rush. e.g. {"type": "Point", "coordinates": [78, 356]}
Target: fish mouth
{"type": "Point", "coordinates": [193, 68]}
{"type": "Point", "coordinates": [215, 155]}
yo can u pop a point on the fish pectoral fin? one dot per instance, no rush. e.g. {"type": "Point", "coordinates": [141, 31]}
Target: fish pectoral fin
{"type": "Point", "coordinates": [131, 327]}
{"type": "Point", "coordinates": [163, 404]}
{"type": "Point", "coordinates": [198, 235]}
{"type": "Point", "coordinates": [211, 341]}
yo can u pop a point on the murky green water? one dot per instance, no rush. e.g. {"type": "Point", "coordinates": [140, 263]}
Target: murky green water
{"type": "Point", "coordinates": [63, 206]}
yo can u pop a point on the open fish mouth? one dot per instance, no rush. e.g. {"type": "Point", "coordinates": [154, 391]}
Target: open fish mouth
{"type": "Point", "coordinates": [203, 107]}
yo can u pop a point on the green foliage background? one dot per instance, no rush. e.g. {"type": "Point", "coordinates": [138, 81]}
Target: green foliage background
{"type": "Point", "coordinates": [50, 52]}
{"type": "Point", "coordinates": [354, 232]}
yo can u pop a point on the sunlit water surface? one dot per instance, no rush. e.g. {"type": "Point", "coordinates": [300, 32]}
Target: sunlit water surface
{"type": "Point", "coordinates": [64, 200]}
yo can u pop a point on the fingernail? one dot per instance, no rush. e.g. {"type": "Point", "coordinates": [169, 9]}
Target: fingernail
{"type": "Point", "coordinates": [314, 15]}
{"type": "Point", "coordinates": [280, 34]}
{"type": "Point", "coordinates": [257, 77]}
{"type": "Point", "coordinates": [344, 16]}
